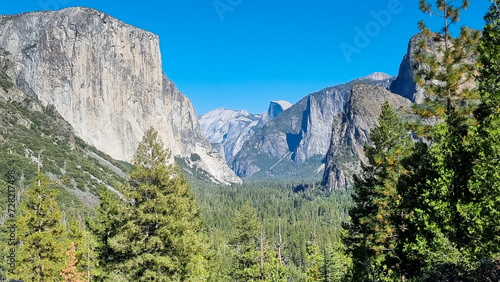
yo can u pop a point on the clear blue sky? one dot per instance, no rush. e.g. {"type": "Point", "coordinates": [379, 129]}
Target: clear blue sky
{"type": "Point", "coordinates": [240, 54]}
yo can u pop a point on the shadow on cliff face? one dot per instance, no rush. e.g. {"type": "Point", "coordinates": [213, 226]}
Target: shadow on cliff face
{"type": "Point", "coordinates": [293, 141]}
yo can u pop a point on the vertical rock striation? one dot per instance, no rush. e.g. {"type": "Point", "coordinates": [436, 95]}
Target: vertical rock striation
{"type": "Point", "coordinates": [293, 145]}
{"type": "Point", "coordinates": [105, 78]}
{"type": "Point", "coordinates": [351, 131]}
{"type": "Point", "coordinates": [227, 130]}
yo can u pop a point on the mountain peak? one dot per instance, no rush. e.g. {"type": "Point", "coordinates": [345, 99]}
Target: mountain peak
{"type": "Point", "coordinates": [109, 85]}
{"type": "Point", "coordinates": [377, 76]}
{"type": "Point", "coordinates": [277, 107]}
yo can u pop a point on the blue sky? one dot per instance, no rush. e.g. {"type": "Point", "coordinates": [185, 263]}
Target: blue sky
{"type": "Point", "coordinates": [240, 54]}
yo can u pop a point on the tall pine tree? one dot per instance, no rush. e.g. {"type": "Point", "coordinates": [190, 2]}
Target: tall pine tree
{"type": "Point", "coordinates": [447, 74]}
{"type": "Point", "coordinates": [484, 214]}
{"type": "Point", "coordinates": [84, 247]}
{"type": "Point", "coordinates": [438, 198]}
{"type": "Point", "coordinates": [70, 272]}
{"type": "Point", "coordinates": [154, 233]}
{"type": "Point", "coordinates": [246, 245]}
{"type": "Point", "coordinates": [372, 231]}
{"type": "Point", "coordinates": [41, 235]}
{"type": "Point", "coordinates": [314, 261]}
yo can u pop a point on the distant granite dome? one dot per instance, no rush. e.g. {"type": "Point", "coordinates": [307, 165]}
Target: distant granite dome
{"type": "Point", "coordinates": [227, 130]}
{"type": "Point", "coordinates": [105, 78]}
{"type": "Point", "coordinates": [277, 107]}
{"type": "Point", "coordinates": [294, 144]}
{"type": "Point", "coordinates": [378, 76]}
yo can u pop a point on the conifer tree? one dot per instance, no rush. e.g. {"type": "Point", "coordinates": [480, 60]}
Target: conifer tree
{"type": "Point", "coordinates": [438, 199]}
{"type": "Point", "coordinates": [373, 230]}
{"type": "Point", "coordinates": [70, 272]}
{"type": "Point", "coordinates": [110, 217]}
{"type": "Point", "coordinates": [271, 266]}
{"type": "Point", "coordinates": [336, 263]}
{"type": "Point", "coordinates": [447, 74]}
{"type": "Point", "coordinates": [245, 242]}
{"type": "Point", "coordinates": [84, 245]}
{"type": "Point", "coordinates": [484, 215]}
{"type": "Point", "coordinates": [154, 233]}
{"type": "Point", "coordinates": [40, 256]}
{"type": "Point", "coordinates": [314, 261]}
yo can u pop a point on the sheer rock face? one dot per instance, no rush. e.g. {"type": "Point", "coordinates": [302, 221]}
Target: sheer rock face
{"type": "Point", "coordinates": [105, 78]}
{"type": "Point", "coordinates": [293, 144]}
{"type": "Point", "coordinates": [275, 109]}
{"type": "Point", "coordinates": [227, 130]}
{"type": "Point", "coordinates": [292, 137]}
{"type": "Point", "coordinates": [404, 83]}
{"type": "Point", "coordinates": [351, 131]}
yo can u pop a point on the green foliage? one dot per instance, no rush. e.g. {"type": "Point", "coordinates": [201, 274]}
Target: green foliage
{"type": "Point", "coordinates": [372, 231]}
{"type": "Point", "coordinates": [109, 218]}
{"type": "Point", "coordinates": [484, 211]}
{"type": "Point", "coordinates": [245, 242]}
{"type": "Point", "coordinates": [84, 247]}
{"type": "Point", "coordinates": [444, 204]}
{"type": "Point", "coordinates": [447, 74]}
{"type": "Point", "coordinates": [273, 268]}
{"type": "Point", "coordinates": [155, 231]}
{"type": "Point", "coordinates": [448, 194]}
{"type": "Point", "coordinates": [195, 157]}
{"type": "Point", "coordinates": [489, 50]}
{"type": "Point", "coordinates": [253, 256]}
{"type": "Point", "coordinates": [65, 156]}
{"type": "Point", "coordinates": [327, 263]}
{"type": "Point", "coordinates": [336, 263]}
{"type": "Point", "coordinates": [40, 255]}
{"type": "Point", "coordinates": [298, 208]}
{"type": "Point", "coordinates": [314, 262]}
{"type": "Point", "coordinates": [6, 84]}
{"type": "Point", "coordinates": [5, 81]}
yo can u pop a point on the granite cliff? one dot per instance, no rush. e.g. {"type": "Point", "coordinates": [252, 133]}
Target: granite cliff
{"type": "Point", "coordinates": [294, 144]}
{"type": "Point", "coordinates": [228, 130]}
{"type": "Point", "coordinates": [404, 83]}
{"type": "Point", "coordinates": [351, 131]}
{"type": "Point", "coordinates": [105, 78]}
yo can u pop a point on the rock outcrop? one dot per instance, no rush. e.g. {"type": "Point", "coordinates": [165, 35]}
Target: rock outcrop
{"type": "Point", "coordinates": [275, 109]}
{"type": "Point", "coordinates": [351, 131]}
{"type": "Point", "coordinates": [404, 83]}
{"type": "Point", "coordinates": [105, 78]}
{"type": "Point", "coordinates": [228, 130]}
{"type": "Point", "coordinates": [293, 145]}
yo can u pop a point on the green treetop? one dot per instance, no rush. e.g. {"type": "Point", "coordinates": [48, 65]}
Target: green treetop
{"type": "Point", "coordinates": [447, 74]}
{"type": "Point", "coordinates": [484, 214]}
{"type": "Point", "coordinates": [372, 231]}
{"type": "Point", "coordinates": [41, 235]}
{"type": "Point", "coordinates": [154, 233]}
{"type": "Point", "coordinates": [444, 218]}
{"type": "Point", "coordinates": [245, 242]}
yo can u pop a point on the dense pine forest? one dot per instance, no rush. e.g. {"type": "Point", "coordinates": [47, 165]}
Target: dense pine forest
{"type": "Point", "coordinates": [425, 207]}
